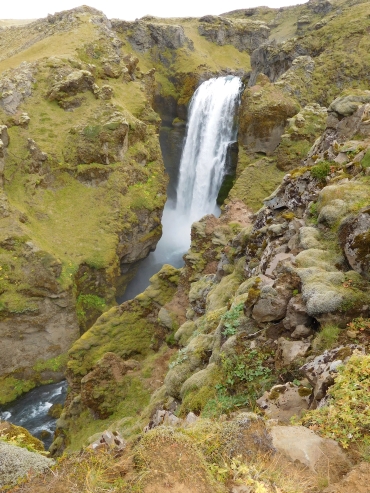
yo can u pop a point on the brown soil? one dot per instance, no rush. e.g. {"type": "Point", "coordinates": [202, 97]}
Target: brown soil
{"type": "Point", "coordinates": [356, 481]}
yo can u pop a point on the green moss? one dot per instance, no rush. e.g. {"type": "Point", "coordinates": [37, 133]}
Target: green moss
{"type": "Point", "coordinates": [57, 364]}
{"type": "Point", "coordinates": [12, 387]}
{"type": "Point", "coordinates": [256, 182]}
{"type": "Point", "coordinates": [321, 170]}
{"type": "Point", "coordinates": [19, 436]}
{"type": "Point", "coordinates": [326, 338]}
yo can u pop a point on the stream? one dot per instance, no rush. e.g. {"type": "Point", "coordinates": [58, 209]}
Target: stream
{"type": "Point", "coordinates": [31, 410]}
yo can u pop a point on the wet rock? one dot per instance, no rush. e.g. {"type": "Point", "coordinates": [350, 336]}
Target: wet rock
{"type": "Point", "coordinates": [322, 370]}
{"type": "Point", "coordinates": [282, 402]}
{"type": "Point", "coordinates": [303, 445]}
{"type": "Point", "coordinates": [288, 352]}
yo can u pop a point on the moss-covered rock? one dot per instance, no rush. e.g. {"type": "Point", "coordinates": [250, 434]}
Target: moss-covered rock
{"type": "Point", "coordinates": [263, 115]}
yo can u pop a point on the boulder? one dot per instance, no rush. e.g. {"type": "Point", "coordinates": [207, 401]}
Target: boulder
{"type": "Point", "coordinates": [288, 352]}
{"type": "Point", "coordinates": [193, 357]}
{"type": "Point", "coordinates": [272, 305]}
{"type": "Point", "coordinates": [109, 440]}
{"type": "Point", "coordinates": [284, 401]}
{"type": "Point", "coordinates": [301, 332]}
{"type": "Point", "coordinates": [74, 83]}
{"type": "Point", "coordinates": [296, 314]}
{"type": "Point", "coordinates": [354, 236]}
{"type": "Point", "coordinates": [348, 105]}
{"type": "Point", "coordinates": [320, 455]}
{"type": "Point", "coordinates": [184, 333]}
{"type": "Point", "coordinates": [163, 417]}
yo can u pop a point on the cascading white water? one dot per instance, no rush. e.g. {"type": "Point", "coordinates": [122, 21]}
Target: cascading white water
{"type": "Point", "coordinates": [210, 130]}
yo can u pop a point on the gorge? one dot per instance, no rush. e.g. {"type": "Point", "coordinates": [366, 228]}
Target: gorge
{"type": "Point", "coordinates": [245, 362]}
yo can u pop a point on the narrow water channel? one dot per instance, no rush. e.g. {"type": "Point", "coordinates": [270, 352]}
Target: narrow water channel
{"type": "Point", "coordinates": [31, 410]}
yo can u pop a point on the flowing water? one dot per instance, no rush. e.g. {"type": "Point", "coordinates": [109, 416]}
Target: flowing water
{"type": "Point", "coordinates": [31, 410]}
{"type": "Point", "coordinates": [210, 131]}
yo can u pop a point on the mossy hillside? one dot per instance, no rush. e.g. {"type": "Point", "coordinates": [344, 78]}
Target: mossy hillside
{"type": "Point", "coordinates": [65, 206]}
{"type": "Point", "coordinates": [23, 43]}
{"type": "Point", "coordinates": [130, 330]}
{"type": "Point", "coordinates": [257, 178]}
{"type": "Point", "coordinates": [299, 135]}
{"type": "Point", "coordinates": [339, 41]}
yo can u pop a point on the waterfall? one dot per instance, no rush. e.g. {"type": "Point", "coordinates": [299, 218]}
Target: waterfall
{"type": "Point", "coordinates": [211, 128]}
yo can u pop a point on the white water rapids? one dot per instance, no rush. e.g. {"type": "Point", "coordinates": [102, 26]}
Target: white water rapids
{"type": "Point", "coordinates": [210, 130]}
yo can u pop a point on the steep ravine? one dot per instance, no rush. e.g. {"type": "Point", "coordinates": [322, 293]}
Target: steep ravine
{"type": "Point", "coordinates": [269, 318]}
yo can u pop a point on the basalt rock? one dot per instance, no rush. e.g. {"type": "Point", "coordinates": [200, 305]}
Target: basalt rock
{"type": "Point", "coordinates": [263, 115]}
{"type": "Point", "coordinates": [354, 236]}
{"type": "Point", "coordinates": [243, 34]}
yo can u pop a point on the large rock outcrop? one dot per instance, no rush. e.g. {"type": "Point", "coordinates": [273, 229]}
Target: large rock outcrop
{"type": "Point", "coordinates": [245, 35]}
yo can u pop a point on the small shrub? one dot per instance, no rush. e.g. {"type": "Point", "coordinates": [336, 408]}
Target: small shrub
{"type": "Point", "coordinates": [347, 416]}
{"type": "Point", "coordinates": [231, 320]}
{"type": "Point", "coordinates": [327, 337]}
{"type": "Point", "coordinates": [321, 171]}
{"type": "Point", "coordinates": [365, 162]}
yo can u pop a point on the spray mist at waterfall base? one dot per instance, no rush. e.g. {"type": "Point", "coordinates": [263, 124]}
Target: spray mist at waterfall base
{"type": "Point", "coordinates": [210, 131]}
